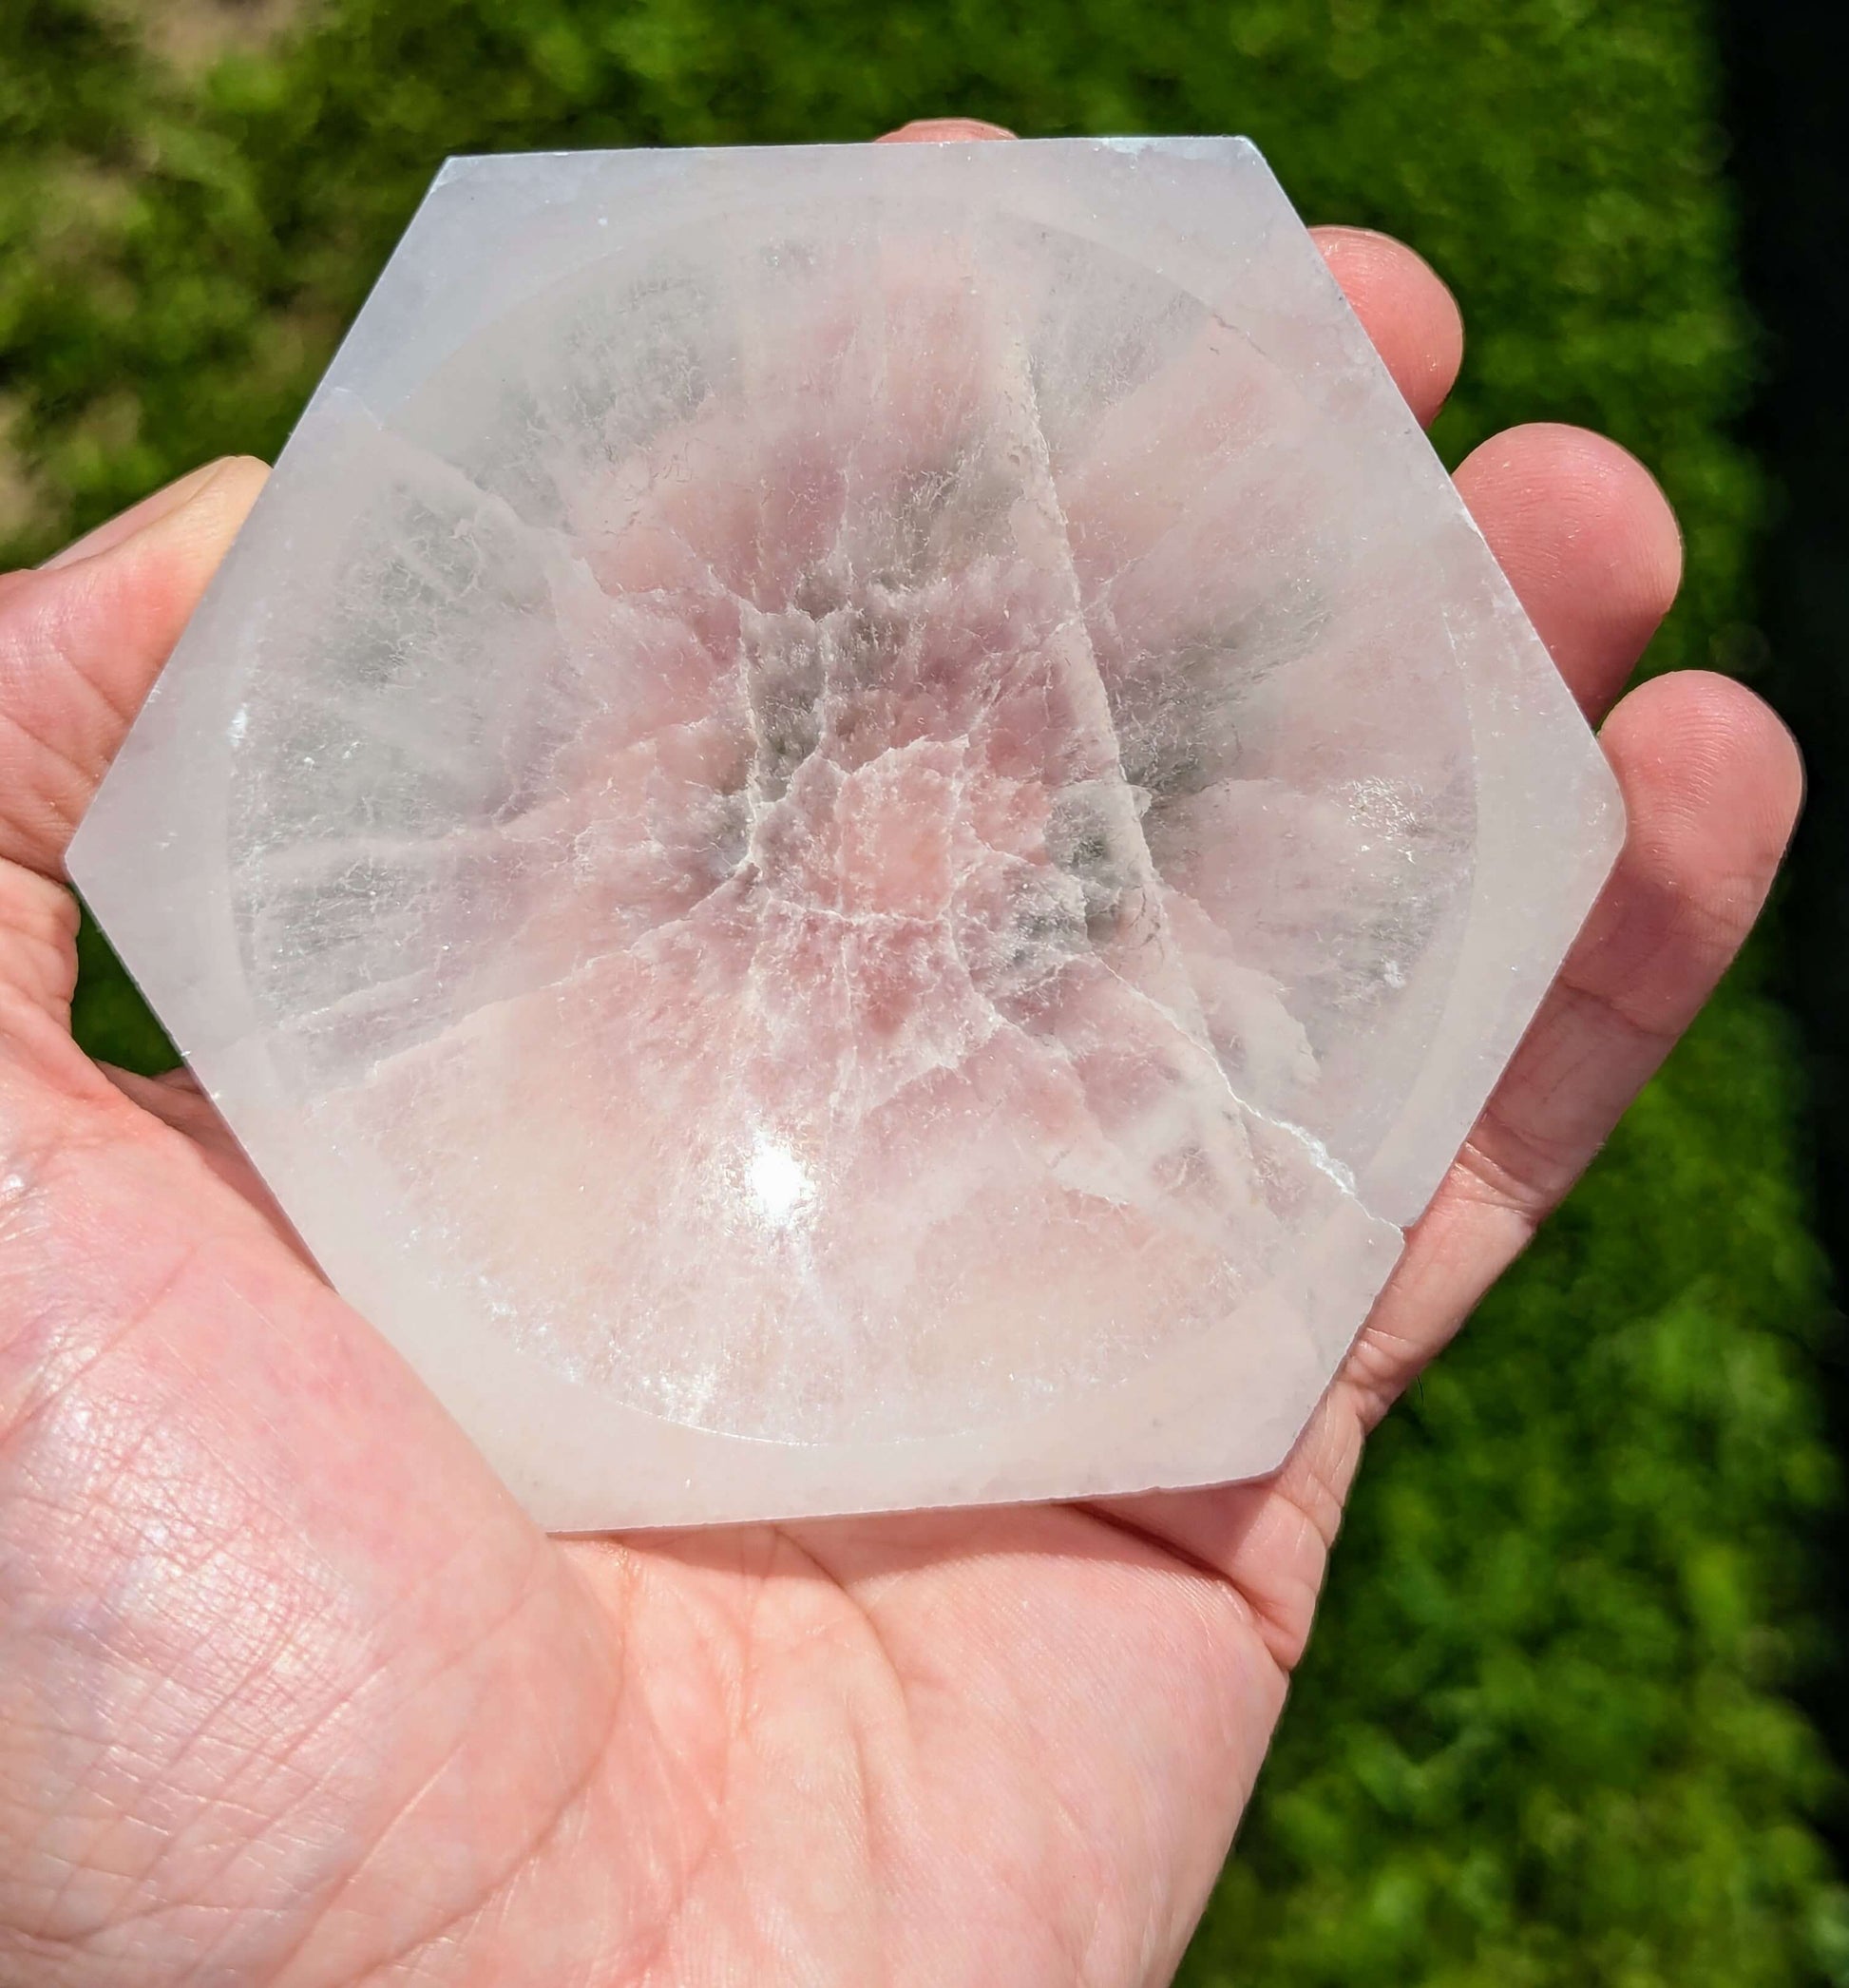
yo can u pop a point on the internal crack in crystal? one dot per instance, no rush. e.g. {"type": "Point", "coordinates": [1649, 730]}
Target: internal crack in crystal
{"type": "Point", "coordinates": [848, 836]}
{"type": "Point", "coordinates": [975, 549]}
{"type": "Point", "coordinates": [787, 688]}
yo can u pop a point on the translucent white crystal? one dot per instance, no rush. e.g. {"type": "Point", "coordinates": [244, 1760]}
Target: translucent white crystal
{"type": "Point", "coordinates": [855, 823]}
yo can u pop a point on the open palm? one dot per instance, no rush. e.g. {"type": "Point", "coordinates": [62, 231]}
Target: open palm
{"type": "Point", "coordinates": [291, 1692]}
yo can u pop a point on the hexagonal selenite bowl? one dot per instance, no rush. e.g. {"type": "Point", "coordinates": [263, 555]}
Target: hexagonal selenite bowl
{"type": "Point", "coordinates": [855, 823]}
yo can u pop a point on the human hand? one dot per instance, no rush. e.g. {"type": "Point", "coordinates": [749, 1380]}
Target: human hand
{"type": "Point", "coordinates": [291, 1693]}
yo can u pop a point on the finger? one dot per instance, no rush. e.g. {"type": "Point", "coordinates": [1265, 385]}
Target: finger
{"type": "Point", "coordinates": [1589, 544]}
{"type": "Point", "coordinates": [943, 131]}
{"type": "Point", "coordinates": [1711, 783]}
{"type": "Point", "coordinates": [125, 524]}
{"type": "Point", "coordinates": [82, 640]}
{"type": "Point", "coordinates": [1405, 309]}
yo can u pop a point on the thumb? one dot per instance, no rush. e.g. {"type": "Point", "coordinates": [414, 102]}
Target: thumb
{"type": "Point", "coordinates": [82, 639]}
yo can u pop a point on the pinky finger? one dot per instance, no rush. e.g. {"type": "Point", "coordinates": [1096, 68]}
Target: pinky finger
{"type": "Point", "coordinates": [1712, 784]}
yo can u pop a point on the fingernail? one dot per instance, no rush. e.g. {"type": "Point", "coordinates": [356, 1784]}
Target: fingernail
{"type": "Point", "coordinates": [138, 517]}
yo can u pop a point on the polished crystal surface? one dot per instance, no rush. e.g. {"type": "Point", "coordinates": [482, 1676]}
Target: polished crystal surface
{"type": "Point", "coordinates": [856, 824]}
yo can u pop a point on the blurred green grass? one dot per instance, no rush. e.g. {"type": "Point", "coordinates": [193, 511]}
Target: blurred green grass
{"type": "Point", "coordinates": [1545, 1733]}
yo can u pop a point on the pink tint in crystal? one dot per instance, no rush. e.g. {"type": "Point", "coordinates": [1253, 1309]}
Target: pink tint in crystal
{"type": "Point", "coordinates": [855, 824]}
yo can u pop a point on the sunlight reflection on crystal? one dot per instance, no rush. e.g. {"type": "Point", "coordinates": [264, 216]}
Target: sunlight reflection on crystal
{"type": "Point", "coordinates": [779, 1183]}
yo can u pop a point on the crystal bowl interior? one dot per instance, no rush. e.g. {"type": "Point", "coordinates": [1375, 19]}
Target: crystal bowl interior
{"type": "Point", "coordinates": [872, 817]}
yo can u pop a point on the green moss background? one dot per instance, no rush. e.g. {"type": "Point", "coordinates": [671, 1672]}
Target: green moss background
{"type": "Point", "coordinates": [1547, 1733]}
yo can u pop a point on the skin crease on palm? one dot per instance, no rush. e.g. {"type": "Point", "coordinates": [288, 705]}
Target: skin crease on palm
{"type": "Point", "coordinates": [291, 1692]}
